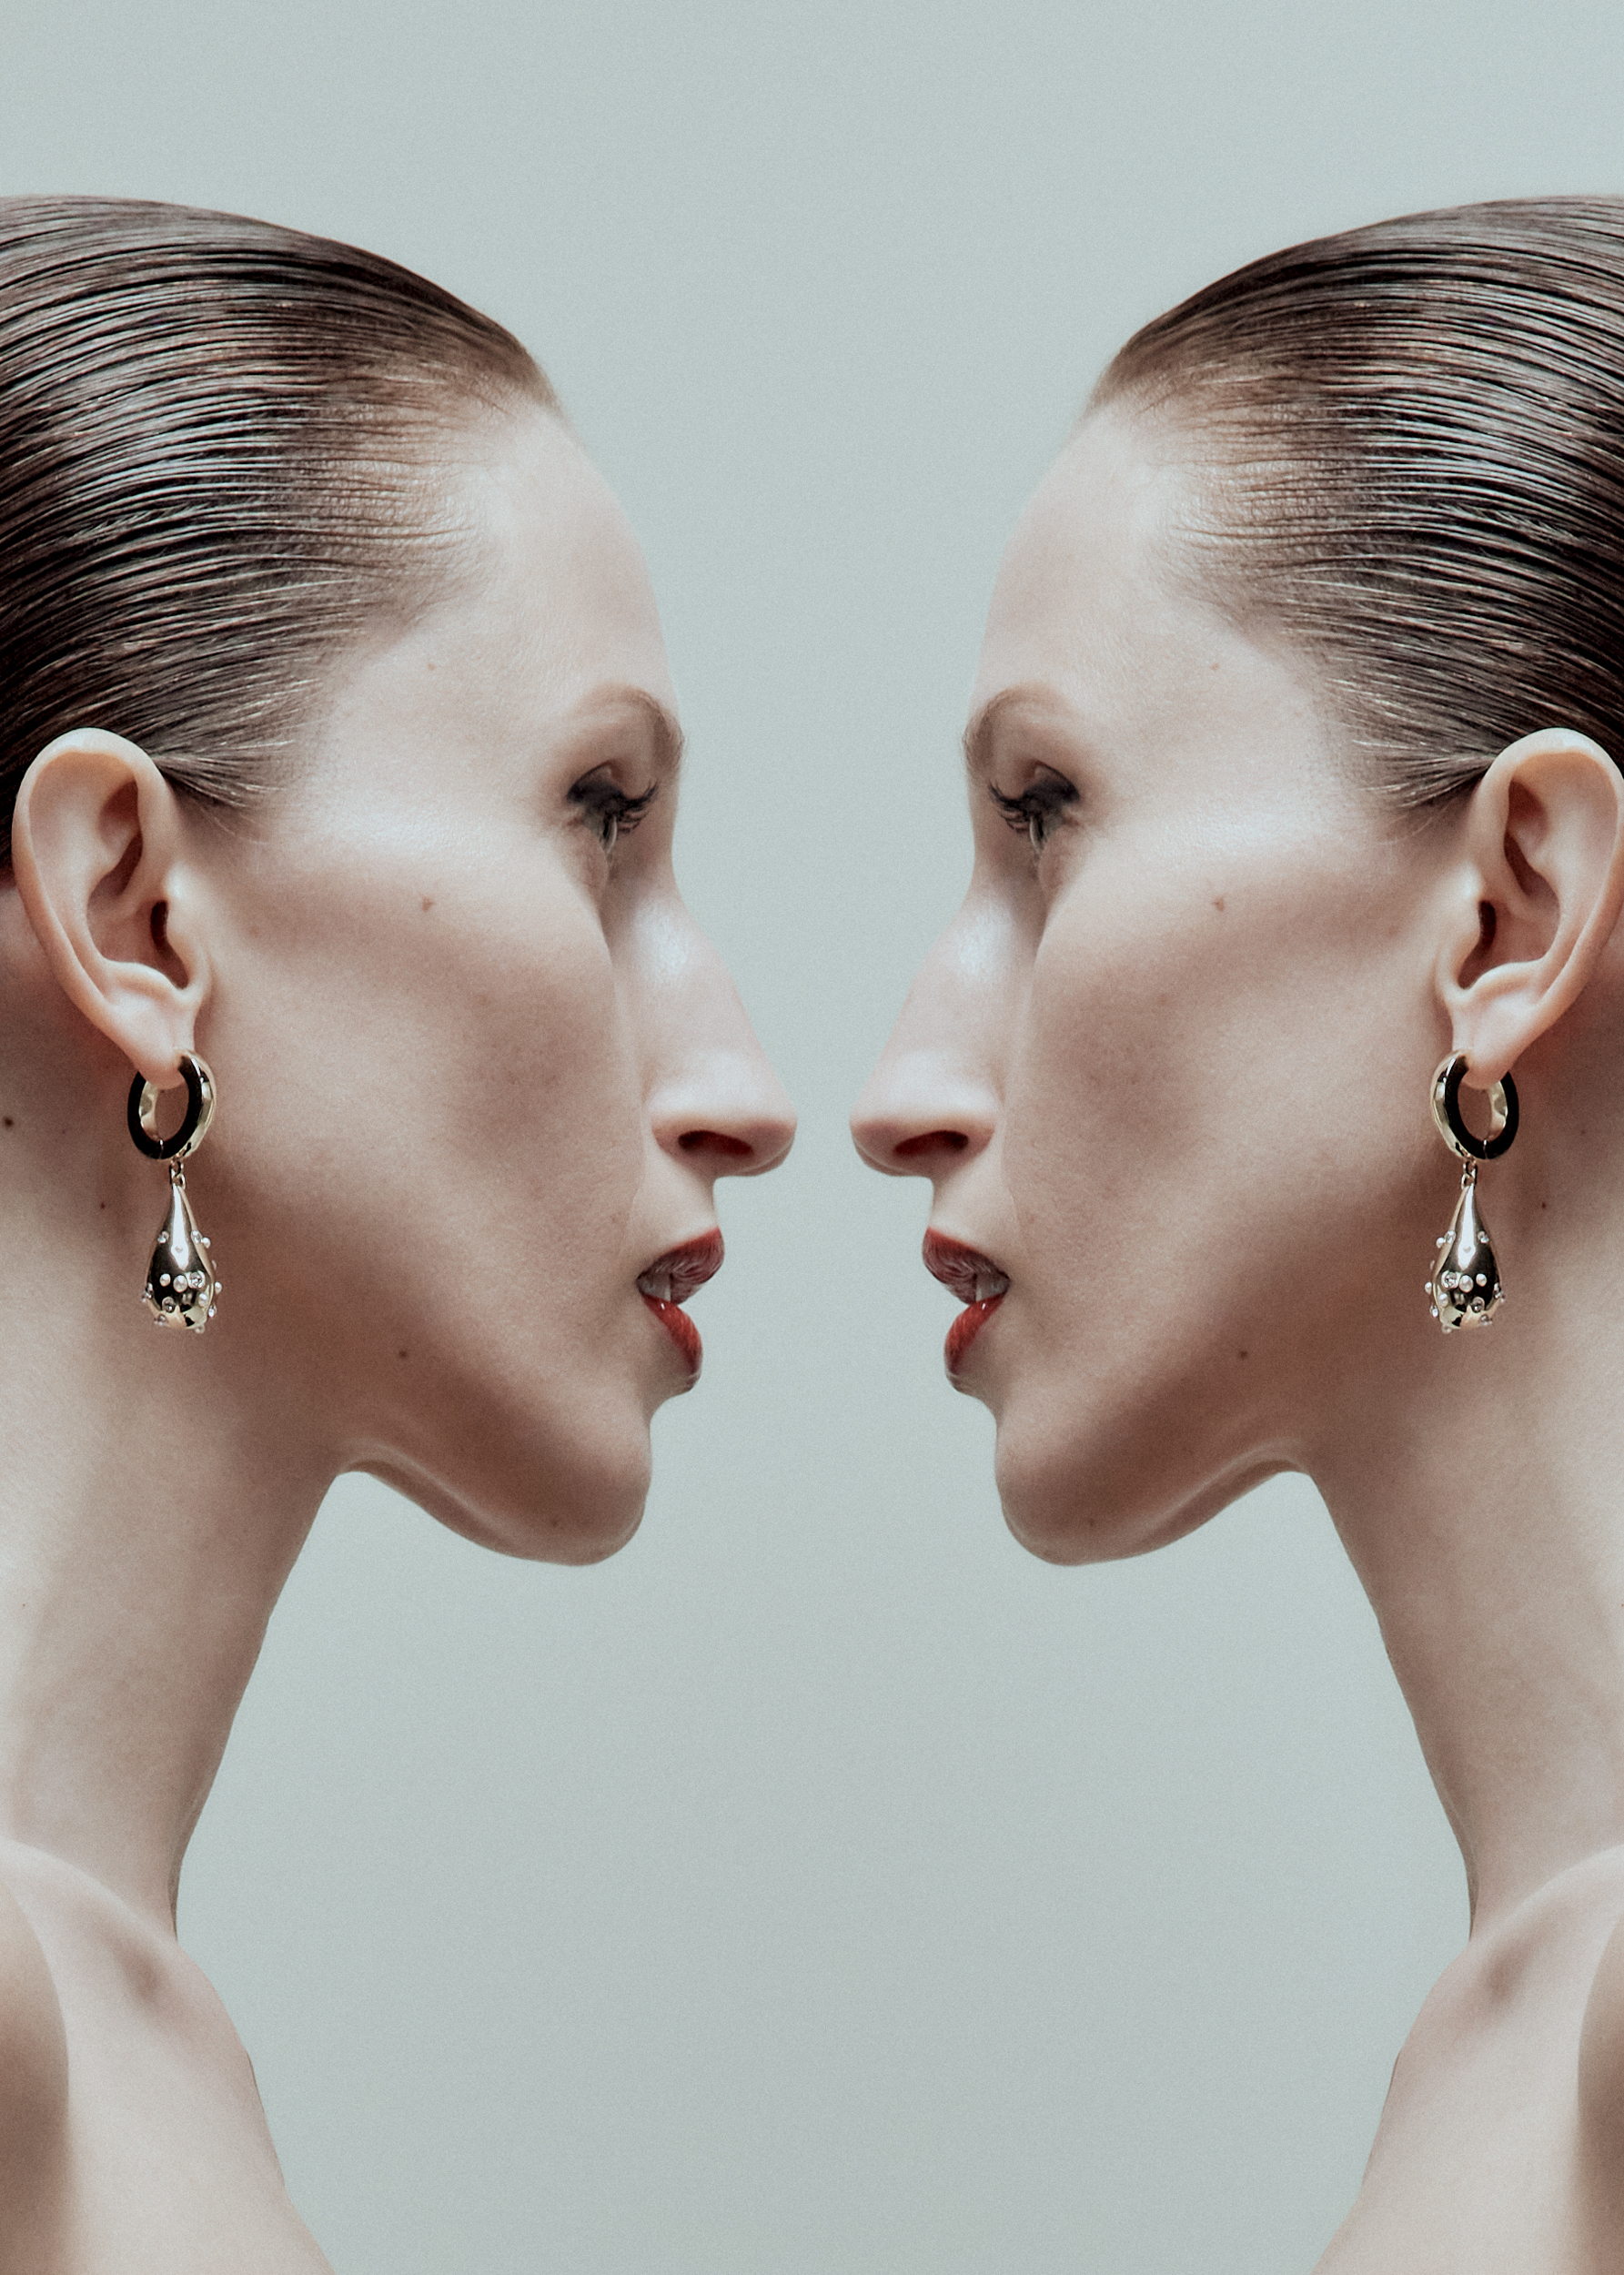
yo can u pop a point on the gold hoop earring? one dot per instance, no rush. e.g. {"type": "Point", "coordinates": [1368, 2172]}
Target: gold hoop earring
{"type": "Point", "coordinates": [181, 1286]}
{"type": "Point", "coordinates": [1465, 1288]}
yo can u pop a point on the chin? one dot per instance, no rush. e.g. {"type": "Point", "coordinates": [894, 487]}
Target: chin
{"type": "Point", "coordinates": [1073, 1498]}
{"type": "Point", "coordinates": [546, 1503]}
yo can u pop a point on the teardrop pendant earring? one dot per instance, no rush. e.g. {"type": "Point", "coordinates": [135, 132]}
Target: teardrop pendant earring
{"type": "Point", "coordinates": [1465, 1287]}
{"type": "Point", "coordinates": [181, 1286]}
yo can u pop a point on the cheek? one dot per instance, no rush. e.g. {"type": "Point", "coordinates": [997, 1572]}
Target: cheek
{"type": "Point", "coordinates": [1183, 1101]}
{"type": "Point", "coordinates": [1113, 1079]}
{"type": "Point", "coordinates": [540, 1071]}
{"type": "Point", "coordinates": [458, 1126]}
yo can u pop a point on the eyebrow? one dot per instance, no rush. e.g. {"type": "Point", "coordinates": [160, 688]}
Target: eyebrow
{"type": "Point", "coordinates": [616, 696]}
{"type": "Point", "coordinates": [979, 733]}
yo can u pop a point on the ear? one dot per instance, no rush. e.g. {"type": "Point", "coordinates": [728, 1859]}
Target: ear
{"type": "Point", "coordinates": [97, 847]}
{"type": "Point", "coordinates": [1537, 898]}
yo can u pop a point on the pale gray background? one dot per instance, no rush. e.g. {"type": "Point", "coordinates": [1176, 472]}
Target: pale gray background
{"type": "Point", "coordinates": [821, 1885]}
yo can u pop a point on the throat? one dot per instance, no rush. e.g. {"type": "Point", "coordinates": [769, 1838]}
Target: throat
{"type": "Point", "coordinates": [1482, 1511]}
{"type": "Point", "coordinates": [147, 1529]}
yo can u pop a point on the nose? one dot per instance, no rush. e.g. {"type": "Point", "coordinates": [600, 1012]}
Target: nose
{"type": "Point", "coordinates": [728, 1114]}
{"type": "Point", "coordinates": [914, 1118]}
{"type": "Point", "coordinates": [714, 1099]}
{"type": "Point", "coordinates": [934, 1098]}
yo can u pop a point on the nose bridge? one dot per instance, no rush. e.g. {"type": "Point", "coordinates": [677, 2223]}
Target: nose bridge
{"type": "Point", "coordinates": [938, 1087]}
{"type": "Point", "coordinates": [711, 1095]}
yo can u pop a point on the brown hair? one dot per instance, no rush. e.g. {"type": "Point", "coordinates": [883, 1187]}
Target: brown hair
{"type": "Point", "coordinates": [216, 439]}
{"type": "Point", "coordinates": [1418, 431]}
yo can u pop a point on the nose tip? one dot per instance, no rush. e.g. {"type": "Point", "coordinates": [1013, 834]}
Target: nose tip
{"type": "Point", "coordinates": [889, 1147]}
{"type": "Point", "coordinates": [748, 1147]}
{"type": "Point", "coordinates": [731, 1115]}
{"type": "Point", "coordinates": [712, 1099]}
{"type": "Point", "coordinates": [915, 1118]}
{"type": "Point", "coordinates": [773, 1136]}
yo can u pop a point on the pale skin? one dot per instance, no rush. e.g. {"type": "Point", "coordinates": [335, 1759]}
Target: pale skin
{"type": "Point", "coordinates": [1168, 1072]}
{"type": "Point", "coordinates": [478, 1069]}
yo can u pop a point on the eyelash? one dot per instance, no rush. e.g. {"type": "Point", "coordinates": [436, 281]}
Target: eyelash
{"type": "Point", "coordinates": [610, 812]}
{"type": "Point", "coordinates": [1035, 812]}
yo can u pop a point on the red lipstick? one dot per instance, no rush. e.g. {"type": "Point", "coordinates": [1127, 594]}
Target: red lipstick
{"type": "Point", "coordinates": [666, 1284]}
{"type": "Point", "coordinates": [976, 1282]}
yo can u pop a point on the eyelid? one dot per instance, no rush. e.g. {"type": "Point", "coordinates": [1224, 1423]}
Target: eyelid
{"type": "Point", "coordinates": [614, 771]}
{"type": "Point", "coordinates": [609, 808]}
{"type": "Point", "coordinates": [1034, 772]}
{"type": "Point", "coordinates": [1038, 808]}
{"type": "Point", "coordinates": [601, 789]}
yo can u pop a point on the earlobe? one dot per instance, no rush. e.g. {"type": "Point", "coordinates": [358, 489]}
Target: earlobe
{"type": "Point", "coordinates": [1540, 895]}
{"type": "Point", "coordinates": [96, 845]}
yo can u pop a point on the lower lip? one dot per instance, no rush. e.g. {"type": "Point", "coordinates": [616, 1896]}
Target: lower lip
{"type": "Point", "coordinates": [964, 1330]}
{"type": "Point", "coordinates": [682, 1331]}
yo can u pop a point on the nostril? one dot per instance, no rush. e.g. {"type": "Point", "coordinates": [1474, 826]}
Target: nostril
{"type": "Point", "coordinates": [933, 1141]}
{"type": "Point", "coordinates": [711, 1141]}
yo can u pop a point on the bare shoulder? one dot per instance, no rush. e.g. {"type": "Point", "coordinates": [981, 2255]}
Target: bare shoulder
{"type": "Point", "coordinates": [1600, 2166]}
{"type": "Point", "coordinates": [1601, 2048]}
{"type": "Point", "coordinates": [33, 2059]}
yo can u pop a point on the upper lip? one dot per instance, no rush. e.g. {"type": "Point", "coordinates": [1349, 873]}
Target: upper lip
{"type": "Point", "coordinates": [673, 1277]}
{"type": "Point", "coordinates": [973, 1277]}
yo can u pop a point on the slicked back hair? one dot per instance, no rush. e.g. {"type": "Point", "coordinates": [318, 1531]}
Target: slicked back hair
{"type": "Point", "coordinates": [1415, 432]}
{"type": "Point", "coordinates": [217, 466]}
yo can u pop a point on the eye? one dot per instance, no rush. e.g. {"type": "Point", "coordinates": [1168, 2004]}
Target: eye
{"type": "Point", "coordinates": [1036, 812]}
{"type": "Point", "coordinates": [609, 811]}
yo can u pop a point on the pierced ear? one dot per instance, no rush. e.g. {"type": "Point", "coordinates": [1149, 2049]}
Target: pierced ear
{"type": "Point", "coordinates": [1538, 895]}
{"type": "Point", "coordinates": [98, 848]}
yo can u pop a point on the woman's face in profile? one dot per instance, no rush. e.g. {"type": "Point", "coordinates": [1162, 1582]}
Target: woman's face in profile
{"type": "Point", "coordinates": [1167, 1066]}
{"type": "Point", "coordinates": [470, 1043]}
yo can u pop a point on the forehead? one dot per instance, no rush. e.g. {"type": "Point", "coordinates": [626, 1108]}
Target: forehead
{"type": "Point", "coordinates": [1088, 569]}
{"type": "Point", "coordinates": [548, 616]}
{"type": "Point", "coordinates": [1095, 609]}
{"type": "Point", "coordinates": [555, 590]}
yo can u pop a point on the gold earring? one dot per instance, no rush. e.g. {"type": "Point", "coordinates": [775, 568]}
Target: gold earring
{"type": "Point", "coordinates": [181, 1286]}
{"type": "Point", "coordinates": [1465, 1287]}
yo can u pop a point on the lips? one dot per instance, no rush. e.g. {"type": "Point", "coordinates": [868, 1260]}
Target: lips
{"type": "Point", "coordinates": [669, 1281]}
{"type": "Point", "coordinates": [976, 1282]}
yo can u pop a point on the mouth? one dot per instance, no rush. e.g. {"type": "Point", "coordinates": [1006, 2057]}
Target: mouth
{"type": "Point", "coordinates": [667, 1282]}
{"type": "Point", "coordinates": [978, 1284]}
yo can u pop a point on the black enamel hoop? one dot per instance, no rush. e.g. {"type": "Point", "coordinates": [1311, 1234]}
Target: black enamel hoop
{"type": "Point", "coordinates": [1452, 1129]}
{"type": "Point", "coordinates": [200, 1111]}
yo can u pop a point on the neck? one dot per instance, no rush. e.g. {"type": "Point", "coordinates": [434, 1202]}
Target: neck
{"type": "Point", "coordinates": [152, 1500]}
{"type": "Point", "coordinates": [1485, 1516]}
